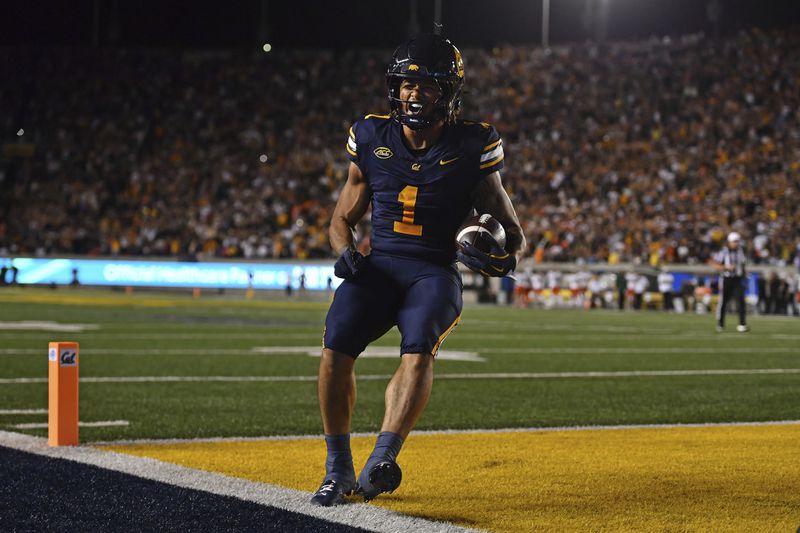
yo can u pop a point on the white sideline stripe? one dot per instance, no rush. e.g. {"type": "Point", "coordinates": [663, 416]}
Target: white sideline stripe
{"type": "Point", "coordinates": [23, 411]}
{"type": "Point", "coordinates": [99, 424]}
{"type": "Point", "coordinates": [678, 350]}
{"type": "Point", "coordinates": [462, 335]}
{"type": "Point", "coordinates": [372, 352]}
{"type": "Point", "coordinates": [47, 326]}
{"type": "Point", "coordinates": [381, 377]}
{"type": "Point", "coordinates": [394, 352]}
{"type": "Point", "coordinates": [178, 336]}
{"type": "Point", "coordinates": [549, 429]}
{"type": "Point", "coordinates": [355, 515]}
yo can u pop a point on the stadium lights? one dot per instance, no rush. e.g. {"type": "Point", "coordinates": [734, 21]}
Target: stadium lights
{"type": "Point", "coordinates": [267, 48]}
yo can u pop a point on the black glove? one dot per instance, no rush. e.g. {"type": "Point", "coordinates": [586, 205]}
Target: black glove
{"type": "Point", "coordinates": [497, 263]}
{"type": "Point", "coordinates": [349, 264]}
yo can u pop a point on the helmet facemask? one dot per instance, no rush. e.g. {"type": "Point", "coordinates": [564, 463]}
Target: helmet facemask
{"type": "Point", "coordinates": [429, 58]}
{"type": "Point", "coordinates": [427, 112]}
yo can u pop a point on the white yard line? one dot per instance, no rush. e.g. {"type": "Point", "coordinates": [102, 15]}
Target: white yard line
{"type": "Point", "coordinates": [357, 514]}
{"type": "Point", "coordinates": [23, 411]}
{"type": "Point", "coordinates": [98, 424]}
{"type": "Point", "coordinates": [634, 350]}
{"type": "Point", "coordinates": [476, 376]}
{"type": "Point", "coordinates": [138, 351]}
{"type": "Point", "coordinates": [383, 351]}
{"type": "Point", "coordinates": [220, 335]}
{"type": "Point", "coordinates": [47, 326]}
{"type": "Point", "coordinates": [454, 432]}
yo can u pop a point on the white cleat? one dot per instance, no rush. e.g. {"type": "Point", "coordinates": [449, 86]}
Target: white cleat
{"type": "Point", "coordinates": [742, 328]}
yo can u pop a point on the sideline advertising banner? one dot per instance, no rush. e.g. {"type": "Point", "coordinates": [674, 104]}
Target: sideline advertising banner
{"type": "Point", "coordinates": [215, 275]}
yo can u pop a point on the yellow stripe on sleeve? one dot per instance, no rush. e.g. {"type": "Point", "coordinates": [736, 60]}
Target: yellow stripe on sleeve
{"type": "Point", "coordinates": [490, 146]}
{"type": "Point", "coordinates": [492, 163]}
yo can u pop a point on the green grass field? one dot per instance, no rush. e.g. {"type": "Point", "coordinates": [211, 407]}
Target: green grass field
{"type": "Point", "coordinates": [158, 335]}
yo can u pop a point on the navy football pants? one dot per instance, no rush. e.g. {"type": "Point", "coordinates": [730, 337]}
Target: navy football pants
{"type": "Point", "coordinates": [422, 299]}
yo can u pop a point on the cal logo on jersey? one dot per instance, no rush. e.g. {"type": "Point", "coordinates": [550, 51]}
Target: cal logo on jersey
{"type": "Point", "coordinates": [383, 152]}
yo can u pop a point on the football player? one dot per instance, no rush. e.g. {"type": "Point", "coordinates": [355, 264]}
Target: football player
{"type": "Point", "coordinates": [424, 171]}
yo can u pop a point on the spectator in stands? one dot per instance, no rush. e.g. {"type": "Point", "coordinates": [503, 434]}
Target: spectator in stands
{"type": "Point", "coordinates": [213, 158]}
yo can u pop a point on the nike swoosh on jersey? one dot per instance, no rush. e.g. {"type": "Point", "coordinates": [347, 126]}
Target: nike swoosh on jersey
{"type": "Point", "coordinates": [447, 162]}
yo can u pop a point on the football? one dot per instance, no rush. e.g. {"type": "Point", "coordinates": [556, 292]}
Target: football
{"type": "Point", "coordinates": [475, 225]}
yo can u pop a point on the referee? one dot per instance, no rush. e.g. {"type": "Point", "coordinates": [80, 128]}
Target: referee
{"type": "Point", "coordinates": [730, 261]}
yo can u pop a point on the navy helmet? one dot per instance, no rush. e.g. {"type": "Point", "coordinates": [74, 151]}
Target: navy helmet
{"type": "Point", "coordinates": [427, 57]}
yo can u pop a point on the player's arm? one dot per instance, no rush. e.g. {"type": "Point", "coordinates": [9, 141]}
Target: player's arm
{"type": "Point", "coordinates": [716, 262]}
{"type": "Point", "coordinates": [490, 197]}
{"type": "Point", "coordinates": [350, 208]}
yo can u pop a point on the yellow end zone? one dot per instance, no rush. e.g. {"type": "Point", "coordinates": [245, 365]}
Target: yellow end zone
{"type": "Point", "coordinates": [718, 478]}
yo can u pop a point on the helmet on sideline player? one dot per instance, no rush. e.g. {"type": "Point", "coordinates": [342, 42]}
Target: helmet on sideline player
{"type": "Point", "coordinates": [427, 57]}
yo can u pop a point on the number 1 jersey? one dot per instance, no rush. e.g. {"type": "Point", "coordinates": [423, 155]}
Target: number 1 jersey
{"type": "Point", "coordinates": [419, 200]}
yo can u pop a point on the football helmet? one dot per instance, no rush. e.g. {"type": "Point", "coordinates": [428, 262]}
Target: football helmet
{"type": "Point", "coordinates": [427, 57]}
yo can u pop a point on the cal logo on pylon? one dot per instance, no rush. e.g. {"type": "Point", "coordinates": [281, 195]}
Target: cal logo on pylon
{"type": "Point", "coordinates": [68, 357]}
{"type": "Point", "coordinates": [62, 413]}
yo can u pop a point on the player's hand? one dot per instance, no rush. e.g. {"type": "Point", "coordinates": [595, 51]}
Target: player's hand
{"type": "Point", "coordinates": [497, 263]}
{"type": "Point", "coordinates": [349, 264]}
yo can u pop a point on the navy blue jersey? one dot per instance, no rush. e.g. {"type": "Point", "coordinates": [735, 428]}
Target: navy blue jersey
{"type": "Point", "coordinates": [420, 200]}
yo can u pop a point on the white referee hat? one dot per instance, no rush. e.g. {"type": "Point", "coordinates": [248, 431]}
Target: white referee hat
{"type": "Point", "coordinates": [734, 237]}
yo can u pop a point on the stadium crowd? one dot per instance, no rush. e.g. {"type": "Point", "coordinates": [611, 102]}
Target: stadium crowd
{"type": "Point", "coordinates": [647, 151]}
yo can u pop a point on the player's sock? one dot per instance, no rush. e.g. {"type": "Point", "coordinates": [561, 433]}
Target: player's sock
{"type": "Point", "coordinates": [386, 447]}
{"type": "Point", "coordinates": [339, 464]}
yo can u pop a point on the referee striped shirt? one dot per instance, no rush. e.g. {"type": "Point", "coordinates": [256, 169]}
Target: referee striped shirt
{"type": "Point", "coordinates": [733, 262]}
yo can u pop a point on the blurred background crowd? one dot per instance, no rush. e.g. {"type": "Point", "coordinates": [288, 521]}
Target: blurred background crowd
{"type": "Point", "coordinates": [648, 151]}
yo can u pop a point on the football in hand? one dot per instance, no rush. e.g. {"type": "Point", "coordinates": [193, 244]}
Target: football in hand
{"type": "Point", "coordinates": [475, 225]}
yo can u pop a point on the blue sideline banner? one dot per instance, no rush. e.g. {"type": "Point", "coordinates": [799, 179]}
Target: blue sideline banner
{"type": "Point", "coordinates": [751, 288]}
{"type": "Point", "coordinates": [171, 273]}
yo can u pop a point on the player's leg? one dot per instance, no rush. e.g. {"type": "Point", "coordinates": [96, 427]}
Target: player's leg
{"type": "Point", "coordinates": [430, 311]}
{"type": "Point", "coordinates": [362, 310]}
{"type": "Point", "coordinates": [337, 394]}
{"type": "Point", "coordinates": [407, 393]}
{"type": "Point", "coordinates": [406, 397]}
{"type": "Point", "coordinates": [740, 291]}
{"type": "Point", "coordinates": [722, 303]}
{"type": "Point", "coordinates": [337, 391]}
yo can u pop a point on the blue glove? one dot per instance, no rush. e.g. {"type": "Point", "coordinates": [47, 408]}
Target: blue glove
{"type": "Point", "coordinates": [497, 263]}
{"type": "Point", "coordinates": [349, 264]}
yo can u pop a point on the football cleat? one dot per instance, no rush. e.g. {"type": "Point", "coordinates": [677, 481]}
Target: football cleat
{"type": "Point", "coordinates": [742, 328]}
{"type": "Point", "coordinates": [383, 477]}
{"type": "Point", "coordinates": [331, 492]}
